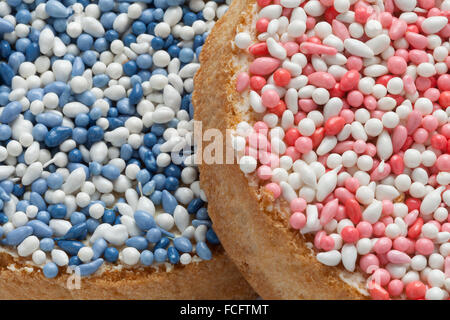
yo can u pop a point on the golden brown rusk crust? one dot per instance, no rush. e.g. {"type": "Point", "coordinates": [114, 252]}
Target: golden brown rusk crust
{"type": "Point", "coordinates": [214, 279]}
{"type": "Point", "coordinates": [254, 231]}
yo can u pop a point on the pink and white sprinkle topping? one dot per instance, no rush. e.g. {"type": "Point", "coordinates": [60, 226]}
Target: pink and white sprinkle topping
{"type": "Point", "coordinates": [353, 101]}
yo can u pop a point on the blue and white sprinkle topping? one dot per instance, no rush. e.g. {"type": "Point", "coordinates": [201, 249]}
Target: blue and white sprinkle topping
{"type": "Point", "coordinates": [96, 132]}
